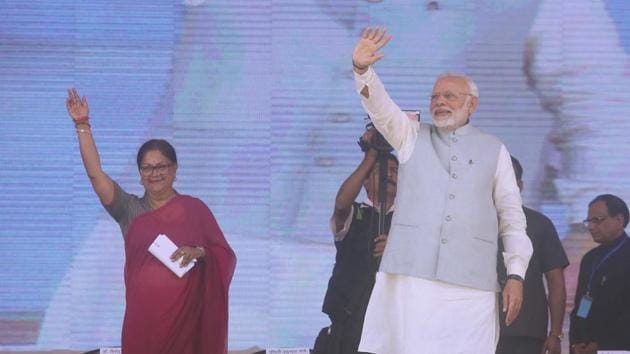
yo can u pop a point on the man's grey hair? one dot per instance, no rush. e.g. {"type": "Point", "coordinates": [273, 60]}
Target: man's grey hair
{"type": "Point", "coordinates": [474, 90]}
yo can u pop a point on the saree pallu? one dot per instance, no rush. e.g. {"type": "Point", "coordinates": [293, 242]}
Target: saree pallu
{"type": "Point", "coordinates": [169, 315]}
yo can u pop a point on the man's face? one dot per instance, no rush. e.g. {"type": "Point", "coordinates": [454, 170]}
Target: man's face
{"type": "Point", "coordinates": [371, 183]}
{"type": "Point", "coordinates": [604, 228]}
{"type": "Point", "coordinates": [451, 102]}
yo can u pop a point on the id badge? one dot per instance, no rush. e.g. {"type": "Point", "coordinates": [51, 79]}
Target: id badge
{"type": "Point", "coordinates": [585, 306]}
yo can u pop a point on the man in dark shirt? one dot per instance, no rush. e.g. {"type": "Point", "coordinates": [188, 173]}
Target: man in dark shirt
{"type": "Point", "coordinates": [528, 333]}
{"type": "Point", "coordinates": [600, 319]}
{"type": "Point", "coordinates": [359, 249]}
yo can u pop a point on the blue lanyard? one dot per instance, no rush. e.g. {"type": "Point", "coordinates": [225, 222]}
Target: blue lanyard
{"type": "Point", "coordinates": [596, 268]}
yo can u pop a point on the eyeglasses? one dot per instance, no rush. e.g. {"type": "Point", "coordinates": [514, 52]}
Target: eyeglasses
{"type": "Point", "coordinates": [594, 220]}
{"type": "Point", "coordinates": [448, 95]}
{"type": "Point", "coordinates": [148, 170]}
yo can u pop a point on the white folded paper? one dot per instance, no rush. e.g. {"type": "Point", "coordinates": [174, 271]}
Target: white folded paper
{"type": "Point", "coordinates": [162, 248]}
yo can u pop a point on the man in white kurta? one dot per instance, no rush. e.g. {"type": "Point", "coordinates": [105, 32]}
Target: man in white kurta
{"type": "Point", "coordinates": [436, 289]}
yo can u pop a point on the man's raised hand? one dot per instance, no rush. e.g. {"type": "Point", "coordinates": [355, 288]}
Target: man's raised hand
{"type": "Point", "coordinates": [366, 52]}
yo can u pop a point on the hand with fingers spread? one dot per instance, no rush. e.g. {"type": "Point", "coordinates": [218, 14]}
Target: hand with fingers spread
{"type": "Point", "coordinates": [512, 300]}
{"type": "Point", "coordinates": [366, 52]}
{"type": "Point", "coordinates": [77, 106]}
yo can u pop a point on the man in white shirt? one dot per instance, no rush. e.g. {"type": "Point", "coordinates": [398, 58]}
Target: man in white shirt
{"type": "Point", "coordinates": [436, 287]}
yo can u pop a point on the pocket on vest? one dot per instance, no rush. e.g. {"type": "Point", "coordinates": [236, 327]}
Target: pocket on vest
{"type": "Point", "coordinates": [489, 240]}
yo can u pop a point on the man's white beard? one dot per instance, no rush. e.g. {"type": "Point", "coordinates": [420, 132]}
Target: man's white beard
{"type": "Point", "coordinates": [444, 123]}
{"type": "Point", "coordinates": [456, 120]}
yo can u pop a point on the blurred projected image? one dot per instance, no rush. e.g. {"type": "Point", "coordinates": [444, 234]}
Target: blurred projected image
{"type": "Point", "coordinates": [316, 115]}
{"type": "Point", "coordinates": [258, 97]}
{"type": "Point", "coordinates": [217, 120]}
{"type": "Point", "coordinates": [576, 63]}
{"type": "Point", "coordinates": [48, 212]}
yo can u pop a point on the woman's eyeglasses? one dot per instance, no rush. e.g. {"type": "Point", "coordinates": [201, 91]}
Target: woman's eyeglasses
{"type": "Point", "coordinates": [160, 169]}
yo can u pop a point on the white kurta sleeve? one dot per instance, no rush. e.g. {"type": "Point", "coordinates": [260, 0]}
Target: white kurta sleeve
{"type": "Point", "coordinates": [512, 223]}
{"type": "Point", "coordinates": [397, 128]}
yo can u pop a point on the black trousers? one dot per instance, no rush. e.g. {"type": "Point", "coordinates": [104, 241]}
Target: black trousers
{"type": "Point", "coordinates": [341, 337]}
{"type": "Point", "coordinates": [519, 345]}
{"type": "Point", "coordinates": [344, 334]}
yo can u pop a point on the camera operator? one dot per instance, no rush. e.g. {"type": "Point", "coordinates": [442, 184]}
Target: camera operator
{"type": "Point", "coordinates": [359, 245]}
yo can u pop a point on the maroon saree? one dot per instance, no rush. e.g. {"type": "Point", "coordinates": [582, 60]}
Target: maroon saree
{"type": "Point", "coordinates": [169, 315]}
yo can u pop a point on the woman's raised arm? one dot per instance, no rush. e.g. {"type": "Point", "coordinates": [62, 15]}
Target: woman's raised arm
{"type": "Point", "coordinates": [79, 111]}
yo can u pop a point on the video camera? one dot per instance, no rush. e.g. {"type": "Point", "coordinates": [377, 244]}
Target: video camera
{"type": "Point", "coordinates": [378, 142]}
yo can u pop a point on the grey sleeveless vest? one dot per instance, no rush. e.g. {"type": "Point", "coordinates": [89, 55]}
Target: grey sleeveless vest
{"type": "Point", "coordinates": [446, 226]}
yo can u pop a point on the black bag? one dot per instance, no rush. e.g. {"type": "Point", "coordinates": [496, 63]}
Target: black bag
{"type": "Point", "coordinates": [327, 341]}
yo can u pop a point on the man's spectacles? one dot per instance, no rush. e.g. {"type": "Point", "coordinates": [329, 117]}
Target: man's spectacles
{"type": "Point", "coordinates": [161, 169]}
{"type": "Point", "coordinates": [594, 220]}
{"type": "Point", "coordinates": [448, 95]}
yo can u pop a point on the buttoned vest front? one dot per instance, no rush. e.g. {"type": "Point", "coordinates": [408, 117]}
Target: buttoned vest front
{"type": "Point", "coordinates": [446, 226]}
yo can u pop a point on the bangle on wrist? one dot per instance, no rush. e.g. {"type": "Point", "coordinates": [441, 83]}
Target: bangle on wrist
{"type": "Point", "coordinates": [559, 336]}
{"type": "Point", "coordinates": [82, 120]}
{"type": "Point", "coordinates": [82, 130]}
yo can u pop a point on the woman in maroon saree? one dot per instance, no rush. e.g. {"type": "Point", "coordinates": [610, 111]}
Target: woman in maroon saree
{"type": "Point", "coordinates": [164, 314]}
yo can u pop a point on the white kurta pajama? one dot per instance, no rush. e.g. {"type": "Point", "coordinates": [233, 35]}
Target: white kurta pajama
{"type": "Point", "coordinates": [411, 315]}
